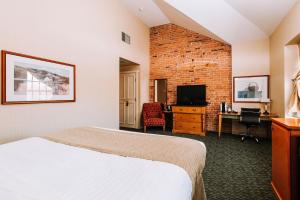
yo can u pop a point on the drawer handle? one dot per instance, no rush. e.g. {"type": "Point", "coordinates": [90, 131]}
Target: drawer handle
{"type": "Point", "coordinates": [194, 109]}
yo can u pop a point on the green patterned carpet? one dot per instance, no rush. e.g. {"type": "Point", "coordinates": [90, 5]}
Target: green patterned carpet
{"type": "Point", "coordinates": [235, 170]}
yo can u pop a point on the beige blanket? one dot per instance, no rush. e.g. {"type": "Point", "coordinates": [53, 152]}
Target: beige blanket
{"type": "Point", "coordinates": [185, 153]}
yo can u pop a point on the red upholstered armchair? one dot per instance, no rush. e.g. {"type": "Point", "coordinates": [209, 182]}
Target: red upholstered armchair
{"type": "Point", "coordinates": [153, 115]}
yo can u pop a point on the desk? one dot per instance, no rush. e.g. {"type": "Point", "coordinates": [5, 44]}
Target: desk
{"type": "Point", "coordinates": [236, 116]}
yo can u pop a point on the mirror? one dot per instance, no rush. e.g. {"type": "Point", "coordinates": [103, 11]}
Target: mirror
{"type": "Point", "coordinates": [160, 91]}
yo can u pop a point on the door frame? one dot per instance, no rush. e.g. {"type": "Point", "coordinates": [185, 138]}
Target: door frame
{"type": "Point", "coordinates": [137, 103]}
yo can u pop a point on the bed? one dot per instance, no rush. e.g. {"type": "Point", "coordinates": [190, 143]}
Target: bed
{"type": "Point", "coordinates": [102, 164]}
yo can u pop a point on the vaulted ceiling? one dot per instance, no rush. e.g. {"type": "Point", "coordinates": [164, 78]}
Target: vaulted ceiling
{"type": "Point", "coordinates": [266, 14]}
{"type": "Point", "coordinates": [230, 21]}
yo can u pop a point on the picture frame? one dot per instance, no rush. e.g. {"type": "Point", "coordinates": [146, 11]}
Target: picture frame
{"type": "Point", "coordinates": [251, 89]}
{"type": "Point", "coordinates": [34, 80]}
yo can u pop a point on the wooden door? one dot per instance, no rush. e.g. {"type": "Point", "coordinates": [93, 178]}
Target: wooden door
{"type": "Point", "coordinates": [128, 103]}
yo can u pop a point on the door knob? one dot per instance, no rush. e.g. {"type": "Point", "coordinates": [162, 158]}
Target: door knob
{"type": "Point", "coordinates": [127, 103]}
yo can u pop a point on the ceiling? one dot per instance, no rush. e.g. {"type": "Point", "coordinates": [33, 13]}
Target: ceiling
{"type": "Point", "coordinates": [266, 14]}
{"type": "Point", "coordinates": [231, 21]}
{"type": "Point", "coordinates": [147, 11]}
{"type": "Point", "coordinates": [180, 19]}
{"type": "Point", "coordinates": [124, 62]}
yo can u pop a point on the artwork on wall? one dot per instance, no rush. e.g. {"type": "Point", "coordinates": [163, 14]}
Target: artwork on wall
{"type": "Point", "coordinates": [28, 80]}
{"type": "Point", "coordinates": [250, 89]}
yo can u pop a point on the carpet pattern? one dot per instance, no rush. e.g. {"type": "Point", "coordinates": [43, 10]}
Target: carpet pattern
{"type": "Point", "coordinates": [235, 170]}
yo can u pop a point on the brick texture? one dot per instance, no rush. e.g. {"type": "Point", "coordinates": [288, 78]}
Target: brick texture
{"type": "Point", "coordinates": [185, 58]}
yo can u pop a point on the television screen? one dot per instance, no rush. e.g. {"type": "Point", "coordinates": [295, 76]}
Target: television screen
{"type": "Point", "coordinates": [191, 95]}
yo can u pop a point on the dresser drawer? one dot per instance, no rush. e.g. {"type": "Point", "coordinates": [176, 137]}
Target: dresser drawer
{"type": "Point", "coordinates": [185, 109]}
{"type": "Point", "coordinates": [188, 126]}
{"type": "Point", "coordinates": [179, 117]}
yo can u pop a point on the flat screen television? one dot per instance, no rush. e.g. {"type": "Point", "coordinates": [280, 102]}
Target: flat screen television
{"type": "Point", "coordinates": [193, 95]}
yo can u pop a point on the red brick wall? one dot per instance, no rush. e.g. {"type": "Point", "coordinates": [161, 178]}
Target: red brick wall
{"type": "Point", "coordinates": [184, 58]}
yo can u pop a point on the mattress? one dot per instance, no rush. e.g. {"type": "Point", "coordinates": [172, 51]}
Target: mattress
{"type": "Point", "coordinates": [187, 154]}
{"type": "Point", "coordinates": [39, 169]}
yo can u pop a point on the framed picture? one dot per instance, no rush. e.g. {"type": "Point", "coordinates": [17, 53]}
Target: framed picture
{"type": "Point", "coordinates": [250, 89]}
{"type": "Point", "coordinates": [29, 80]}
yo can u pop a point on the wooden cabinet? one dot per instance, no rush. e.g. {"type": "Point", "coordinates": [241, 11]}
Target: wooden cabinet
{"type": "Point", "coordinates": [285, 158]}
{"type": "Point", "coordinates": [189, 120]}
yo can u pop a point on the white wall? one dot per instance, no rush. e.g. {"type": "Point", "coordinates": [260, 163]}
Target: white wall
{"type": "Point", "coordinates": [86, 33]}
{"type": "Point", "coordinates": [285, 32]}
{"type": "Point", "coordinates": [249, 59]}
{"type": "Point", "coordinates": [291, 66]}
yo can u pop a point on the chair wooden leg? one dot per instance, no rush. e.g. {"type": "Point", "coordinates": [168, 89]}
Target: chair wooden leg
{"type": "Point", "coordinates": [164, 128]}
{"type": "Point", "coordinates": [145, 129]}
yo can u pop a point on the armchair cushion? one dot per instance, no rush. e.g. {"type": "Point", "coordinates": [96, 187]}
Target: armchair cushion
{"type": "Point", "coordinates": [154, 122]}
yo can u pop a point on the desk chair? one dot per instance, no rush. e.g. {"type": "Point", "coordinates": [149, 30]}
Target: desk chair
{"type": "Point", "coordinates": [250, 117]}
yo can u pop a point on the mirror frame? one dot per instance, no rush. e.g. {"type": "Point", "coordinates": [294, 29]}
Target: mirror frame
{"type": "Point", "coordinates": [166, 85]}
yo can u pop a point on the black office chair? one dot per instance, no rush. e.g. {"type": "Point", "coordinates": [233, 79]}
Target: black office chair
{"type": "Point", "coordinates": [250, 117]}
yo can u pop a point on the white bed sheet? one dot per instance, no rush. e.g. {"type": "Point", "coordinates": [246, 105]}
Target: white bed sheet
{"type": "Point", "coordinates": [38, 169]}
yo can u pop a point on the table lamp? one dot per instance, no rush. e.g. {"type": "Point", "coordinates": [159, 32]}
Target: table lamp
{"type": "Point", "coordinates": [266, 102]}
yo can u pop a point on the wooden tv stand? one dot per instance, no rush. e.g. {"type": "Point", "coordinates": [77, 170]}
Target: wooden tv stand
{"type": "Point", "coordinates": [189, 119]}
